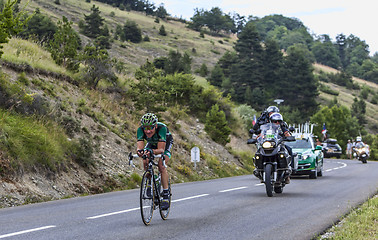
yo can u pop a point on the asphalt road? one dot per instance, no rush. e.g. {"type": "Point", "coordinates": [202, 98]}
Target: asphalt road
{"type": "Point", "coordinates": [228, 208]}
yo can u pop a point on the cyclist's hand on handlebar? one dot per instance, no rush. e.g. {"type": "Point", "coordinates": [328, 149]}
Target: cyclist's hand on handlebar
{"type": "Point", "coordinates": [148, 152]}
{"type": "Point", "coordinates": [140, 152]}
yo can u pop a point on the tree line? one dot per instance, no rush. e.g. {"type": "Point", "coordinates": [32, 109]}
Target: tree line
{"type": "Point", "coordinates": [257, 73]}
{"type": "Point", "coordinates": [347, 53]}
{"type": "Point", "coordinates": [139, 5]}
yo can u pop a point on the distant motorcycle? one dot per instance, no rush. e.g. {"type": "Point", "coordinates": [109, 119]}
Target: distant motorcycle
{"type": "Point", "coordinates": [272, 159]}
{"type": "Point", "coordinates": [361, 152]}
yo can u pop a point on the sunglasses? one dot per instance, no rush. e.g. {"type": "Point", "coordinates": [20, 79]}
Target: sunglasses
{"type": "Point", "coordinates": [148, 127]}
{"type": "Point", "coordinates": [276, 121]}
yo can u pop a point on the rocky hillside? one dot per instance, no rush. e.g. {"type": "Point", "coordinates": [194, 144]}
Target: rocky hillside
{"type": "Point", "coordinates": [106, 117]}
{"type": "Point", "coordinates": [110, 170]}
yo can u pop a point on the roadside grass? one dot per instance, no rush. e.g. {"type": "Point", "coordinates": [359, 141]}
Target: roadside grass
{"type": "Point", "coordinates": [21, 51]}
{"type": "Point", "coordinates": [361, 223]}
{"type": "Point", "coordinates": [32, 142]}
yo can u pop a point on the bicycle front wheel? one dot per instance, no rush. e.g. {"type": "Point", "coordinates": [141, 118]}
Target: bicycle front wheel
{"type": "Point", "coordinates": [146, 198]}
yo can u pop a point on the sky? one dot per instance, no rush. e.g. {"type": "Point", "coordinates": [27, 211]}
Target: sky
{"type": "Point", "coordinates": [331, 17]}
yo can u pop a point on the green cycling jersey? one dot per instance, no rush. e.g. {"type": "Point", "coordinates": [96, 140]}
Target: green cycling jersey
{"type": "Point", "coordinates": [160, 135]}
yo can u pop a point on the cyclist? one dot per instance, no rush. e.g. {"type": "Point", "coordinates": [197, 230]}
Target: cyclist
{"type": "Point", "coordinates": [159, 141]}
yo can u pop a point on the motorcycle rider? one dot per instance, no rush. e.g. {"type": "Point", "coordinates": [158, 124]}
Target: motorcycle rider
{"type": "Point", "coordinates": [264, 118]}
{"type": "Point", "coordinates": [277, 119]}
{"type": "Point", "coordinates": [360, 144]}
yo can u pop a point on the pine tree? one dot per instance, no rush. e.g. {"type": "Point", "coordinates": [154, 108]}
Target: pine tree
{"type": "Point", "coordinates": [227, 61]}
{"type": "Point", "coordinates": [216, 77]}
{"type": "Point", "coordinates": [64, 45]}
{"type": "Point", "coordinates": [144, 91]}
{"type": "Point", "coordinates": [249, 70]}
{"type": "Point", "coordinates": [39, 26]}
{"type": "Point", "coordinates": [10, 23]}
{"type": "Point", "coordinates": [273, 64]}
{"type": "Point", "coordinates": [203, 71]}
{"type": "Point", "coordinates": [93, 23]}
{"type": "Point", "coordinates": [358, 110]}
{"type": "Point", "coordinates": [131, 32]}
{"type": "Point", "coordinates": [299, 87]}
{"type": "Point", "coordinates": [162, 31]}
{"type": "Point", "coordinates": [98, 66]}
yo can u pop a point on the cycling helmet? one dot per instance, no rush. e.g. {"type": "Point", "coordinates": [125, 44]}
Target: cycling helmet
{"type": "Point", "coordinates": [276, 117]}
{"type": "Point", "coordinates": [358, 139]}
{"type": "Point", "coordinates": [148, 119]}
{"type": "Point", "coordinates": [272, 109]}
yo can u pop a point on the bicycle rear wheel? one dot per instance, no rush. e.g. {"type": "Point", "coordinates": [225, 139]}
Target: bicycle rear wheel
{"type": "Point", "coordinates": [164, 213]}
{"type": "Point", "coordinates": [146, 198]}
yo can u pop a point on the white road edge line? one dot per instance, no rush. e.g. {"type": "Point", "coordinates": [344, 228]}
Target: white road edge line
{"type": "Point", "coordinates": [259, 184]}
{"type": "Point", "coordinates": [188, 198]}
{"type": "Point", "coordinates": [232, 189]}
{"type": "Point", "coordinates": [336, 168]}
{"type": "Point", "coordinates": [137, 208]}
{"type": "Point", "coordinates": [114, 213]}
{"type": "Point", "coordinates": [26, 231]}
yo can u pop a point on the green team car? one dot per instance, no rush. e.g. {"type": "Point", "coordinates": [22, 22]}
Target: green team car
{"type": "Point", "coordinates": [309, 157]}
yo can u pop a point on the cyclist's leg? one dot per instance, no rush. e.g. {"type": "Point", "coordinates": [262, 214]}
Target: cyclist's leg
{"type": "Point", "coordinates": [165, 183]}
{"type": "Point", "coordinates": [164, 173]}
{"type": "Point", "coordinates": [167, 154]}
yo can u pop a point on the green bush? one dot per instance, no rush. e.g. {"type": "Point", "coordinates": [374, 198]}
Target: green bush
{"type": "Point", "coordinates": [162, 31]}
{"type": "Point", "coordinates": [23, 79]}
{"type": "Point", "coordinates": [203, 71]}
{"type": "Point", "coordinates": [146, 38]}
{"type": "Point", "coordinates": [14, 95]}
{"type": "Point", "coordinates": [83, 152]}
{"type": "Point", "coordinates": [71, 125]}
{"type": "Point", "coordinates": [33, 142]}
{"type": "Point", "coordinates": [216, 125]}
{"type": "Point", "coordinates": [130, 32]}
{"type": "Point", "coordinates": [246, 113]}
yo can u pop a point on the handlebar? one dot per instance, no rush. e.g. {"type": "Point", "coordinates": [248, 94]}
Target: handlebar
{"type": "Point", "coordinates": [287, 139]}
{"type": "Point", "coordinates": [152, 157]}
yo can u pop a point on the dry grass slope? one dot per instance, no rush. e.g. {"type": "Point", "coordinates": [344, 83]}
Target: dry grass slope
{"type": "Point", "coordinates": [203, 50]}
{"type": "Point", "coordinates": [346, 96]}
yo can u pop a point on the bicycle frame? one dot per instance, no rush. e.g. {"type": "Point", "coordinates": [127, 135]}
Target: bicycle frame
{"type": "Point", "coordinates": [156, 186]}
{"type": "Point", "coordinates": [150, 169]}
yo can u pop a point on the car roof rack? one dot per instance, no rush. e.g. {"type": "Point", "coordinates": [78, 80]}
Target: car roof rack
{"type": "Point", "coordinates": [303, 131]}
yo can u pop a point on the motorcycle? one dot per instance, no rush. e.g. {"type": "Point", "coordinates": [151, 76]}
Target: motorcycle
{"type": "Point", "coordinates": [272, 160]}
{"type": "Point", "coordinates": [361, 152]}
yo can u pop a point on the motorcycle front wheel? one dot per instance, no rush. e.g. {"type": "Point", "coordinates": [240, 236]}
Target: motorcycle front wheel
{"type": "Point", "coordinates": [268, 180]}
{"type": "Point", "coordinates": [278, 189]}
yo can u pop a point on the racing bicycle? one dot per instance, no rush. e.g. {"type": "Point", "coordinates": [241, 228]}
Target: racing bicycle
{"type": "Point", "coordinates": [151, 190]}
